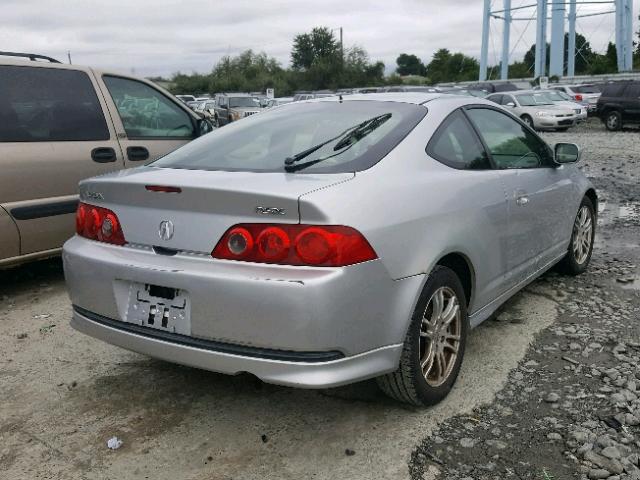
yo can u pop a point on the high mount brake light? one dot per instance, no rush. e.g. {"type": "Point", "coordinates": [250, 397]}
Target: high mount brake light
{"type": "Point", "coordinates": [100, 224]}
{"type": "Point", "coordinates": [311, 245]}
{"type": "Point", "coordinates": [163, 188]}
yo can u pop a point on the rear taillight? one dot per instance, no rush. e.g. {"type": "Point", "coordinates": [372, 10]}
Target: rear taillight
{"type": "Point", "coordinates": [97, 223]}
{"type": "Point", "coordinates": [578, 97]}
{"type": "Point", "coordinates": [312, 245]}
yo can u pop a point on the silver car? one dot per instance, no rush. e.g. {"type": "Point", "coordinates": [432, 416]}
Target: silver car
{"type": "Point", "coordinates": [536, 110]}
{"type": "Point", "coordinates": [326, 242]}
{"type": "Point", "coordinates": [562, 99]}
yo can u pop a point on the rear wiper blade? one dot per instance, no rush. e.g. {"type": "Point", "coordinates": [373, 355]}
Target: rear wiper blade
{"type": "Point", "coordinates": [347, 139]}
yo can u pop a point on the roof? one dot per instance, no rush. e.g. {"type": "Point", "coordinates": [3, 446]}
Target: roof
{"type": "Point", "coordinates": [417, 98]}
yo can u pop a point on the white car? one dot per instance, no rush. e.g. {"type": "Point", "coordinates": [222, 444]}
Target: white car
{"type": "Point", "coordinates": [535, 110]}
{"type": "Point", "coordinates": [564, 100]}
{"type": "Point", "coordinates": [588, 94]}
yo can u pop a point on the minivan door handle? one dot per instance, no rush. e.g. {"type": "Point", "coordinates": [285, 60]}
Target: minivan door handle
{"type": "Point", "coordinates": [103, 155]}
{"type": "Point", "coordinates": [137, 154]}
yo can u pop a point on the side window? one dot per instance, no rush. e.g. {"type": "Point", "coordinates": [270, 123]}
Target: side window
{"type": "Point", "coordinates": [632, 91]}
{"type": "Point", "coordinates": [510, 144]}
{"type": "Point", "coordinates": [147, 113]}
{"type": "Point", "coordinates": [49, 105]}
{"type": "Point", "coordinates": [506, 99]}
{"type": "Point", "coordinates": [495, 98]}
{"type": "Point", "coordinates": [455, 144]}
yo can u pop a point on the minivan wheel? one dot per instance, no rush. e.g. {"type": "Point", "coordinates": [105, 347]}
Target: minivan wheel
{"type": "Point", "coordinates": [527, 120]}
{"type": "Point", "coordinates": [613, 121]}
{"type": "Point", "coordinates": [435, 343]}
{"type": "Point", "coordinates": [577, 258]}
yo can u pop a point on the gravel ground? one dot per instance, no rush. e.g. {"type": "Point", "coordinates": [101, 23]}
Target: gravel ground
{"type": "Point", "coordinates": [549, 389]}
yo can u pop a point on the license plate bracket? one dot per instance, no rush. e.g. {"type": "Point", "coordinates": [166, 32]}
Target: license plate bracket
{"type": "Point", "coordinates": [159, 307]}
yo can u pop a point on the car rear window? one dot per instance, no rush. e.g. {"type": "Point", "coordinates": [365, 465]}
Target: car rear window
{"type": "Point", "coordinates": [586, 89]}
{"type": "Point", "coordinates": [349, 136]}
{"type": "Point", "coordinates": [49, 105]}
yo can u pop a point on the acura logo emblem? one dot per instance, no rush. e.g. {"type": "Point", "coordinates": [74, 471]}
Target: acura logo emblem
{"type": "Point", "coordinates": [165, 232]}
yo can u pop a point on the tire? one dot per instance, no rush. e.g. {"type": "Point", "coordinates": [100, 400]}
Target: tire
{"type": "Point", "coordinates": [613, 121]}
{"type": "Point", "coordinates": [577, 259]}
{"type": "Point", "coordinates": [528, 121]}
{"type": "Point", "coordinates": [408, 383]}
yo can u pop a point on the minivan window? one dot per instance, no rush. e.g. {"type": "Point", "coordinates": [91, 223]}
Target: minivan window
{"type": "Point", "coordinates": [586, 89]}
{"type": "Point", "coordinates": [261, 143]}
{"type": "Point", "coordinates": [49, 105]}
{"type": "Point", "coordinates": [147, 113]}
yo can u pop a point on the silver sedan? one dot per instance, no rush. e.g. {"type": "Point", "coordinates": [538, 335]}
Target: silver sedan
{"type": "Point", "coordinates": [326, 242]}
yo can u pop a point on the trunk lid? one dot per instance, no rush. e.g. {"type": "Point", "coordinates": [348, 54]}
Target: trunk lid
{"type": "Point", "coordinates": [209, 202]}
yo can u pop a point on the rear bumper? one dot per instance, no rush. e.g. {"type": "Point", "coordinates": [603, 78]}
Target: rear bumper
{"type": "Point", "coordinates": [301, 374]}
{"type": "Point", "coordinates": [358, 311]}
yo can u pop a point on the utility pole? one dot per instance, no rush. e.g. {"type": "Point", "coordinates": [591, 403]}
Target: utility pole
{"type": "Point", "coordinates": [69, 56]}
{"type": "Point", "coordinates": [541, 40]}
{"type": "Point", "coordinates": [556, 66]}
{"type": "Point", "coordinates": [571, 54]}
{"type": "Point", "coordinates": [484, 52]}
{"type": "Point", "coordinates": [504, 67]}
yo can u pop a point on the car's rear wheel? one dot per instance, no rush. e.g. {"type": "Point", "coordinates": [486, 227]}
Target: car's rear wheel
{"type": "Point", "coordinates": [527, 120]}
{"type": "Point", "coordinates": [613, 120]}
{"type": "Point", "coordinates": [435, 343]}
{"type": "Point", "coordinates": [577, 258]}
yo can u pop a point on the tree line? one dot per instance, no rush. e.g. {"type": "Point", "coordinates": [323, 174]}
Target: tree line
{"type": "Point", "coordinates": [320, 62]}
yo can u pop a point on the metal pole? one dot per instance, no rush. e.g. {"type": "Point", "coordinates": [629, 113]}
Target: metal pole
{"type": "Point", "coordinates": [484, 50]}
{"type": "Point", "coordinates": [620, 36]}
{"type": "Point", "coordinates": [571, 54]}
{"type": "Point", "coordinates": [541, 41]}
{"type": "Point", "coordinates": [69, 56]}
{"type": "Point", "coordinates": [557, 39]}
{"type": "Point", "coordinates": [629, 32]}
{"type": "Point", "coordinates": [504, 70]}
{"type": "Point", "coordinates": [543, 59]}
{"type": "Point", "coordinates": [341, 47]}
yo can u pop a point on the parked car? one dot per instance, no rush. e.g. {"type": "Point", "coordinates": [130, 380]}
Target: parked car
{"type": "Point", "coordinates": [493, 87]}
{"type": "Point", "coordinates": [411, 88]}
{"type": "Point", "coordinates": [581, 93]}
{"type": "Point", "coordinates": [562, 99]}
{"type": "Point", "coordinates": [463, 91]}
{"type": "Point", "coordinates": [619, 105]}
{"type": "Point", "coordinates": [206, 108]}
{"type": "Point", "coordinates": [300, 96]}
{"type": "Point", "coordinates": [186, 98]}
{"type": "Point", "coordinates": [533, 108]}
{"type": "Point", "coordinates": [246, 252]}
{"type": "Point", "coordinates": [275, 102]}
{"type": "Point", "coordinates": [62, 123]}
{"type": "Point", "coordinates": [231, 107]}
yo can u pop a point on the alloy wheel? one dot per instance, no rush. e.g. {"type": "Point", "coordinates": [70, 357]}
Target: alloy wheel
{"type": "Point", "coordinates": [440, 336]}
{"type": "Point", "coordinates": [612, 122]}
{"type": "Point", "coordinates": [582, 235]}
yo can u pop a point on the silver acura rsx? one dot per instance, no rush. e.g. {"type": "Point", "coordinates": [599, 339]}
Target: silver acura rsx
{"type": "Point", "coordinates": [326, 242]}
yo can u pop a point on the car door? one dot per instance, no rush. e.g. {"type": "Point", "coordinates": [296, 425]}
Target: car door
{"type": "Point", "coordinates": [53, 133]}
{"type": "Point", "coordinates": [630, 101]}
{"type": "Point", "coordinates": [537, 189]}
{"type": "Point", "coordinates": [149, 123]}
{"type": "Point", "coordinates": [481, 199]}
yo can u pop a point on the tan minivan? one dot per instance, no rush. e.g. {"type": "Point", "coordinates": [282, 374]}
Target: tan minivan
{"type": "Point", "coordinates": [62, 123]}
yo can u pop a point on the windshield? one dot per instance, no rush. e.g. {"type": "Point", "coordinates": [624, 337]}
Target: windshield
{"type": "Point", "coordinates": [261, 143]}
{"type": "Point", "coordinates": [553, 96]}
{"type": "Point", "coordinates": [533, 100]}
{"type": "Point", "coordinates": [243, 102]}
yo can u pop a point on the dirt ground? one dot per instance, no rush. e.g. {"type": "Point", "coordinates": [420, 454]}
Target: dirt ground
{"type": "Point", "coordinates": [63, 395]}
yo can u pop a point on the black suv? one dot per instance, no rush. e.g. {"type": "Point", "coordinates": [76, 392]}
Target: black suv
{"type": "Point", "coordinates": [619, 104]}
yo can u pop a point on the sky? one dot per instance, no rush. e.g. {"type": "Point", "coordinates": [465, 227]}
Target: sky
{"type": "Point", "coordinates": [161, 37]}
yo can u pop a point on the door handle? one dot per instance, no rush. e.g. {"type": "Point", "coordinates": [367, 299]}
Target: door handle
{"type": "Point", "coordinates": [522, 200]}
{"type": "Point", "coordinates": [103, 155]}
{"type": "Point", "coordinates": [136, 154]}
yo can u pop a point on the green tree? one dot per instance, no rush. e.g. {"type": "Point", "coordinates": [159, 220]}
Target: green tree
{"type": "Point", "coordinates": [447, 67]}
{"type": "Point", "coordinates": [319, 46]}
{"type": "Point", "coordinates": [584, 54]}
{"type": "Point", "coordinates": [409, 65]}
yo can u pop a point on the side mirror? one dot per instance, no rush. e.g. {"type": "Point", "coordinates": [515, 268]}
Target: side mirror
{"type": "Point", "coordinates": [204, 126]}
{"type": "Point", "coordinates": [510, 105]}
{"type": "Point", "coordinates": [566, 153]}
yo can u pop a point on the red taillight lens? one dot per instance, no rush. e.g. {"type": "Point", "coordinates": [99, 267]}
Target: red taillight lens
{"type": "Point", "coordinates": [312, 245]}
{"type": "Point", "coordinates": [97, 223]}
{"type": "Point", "coordinates": [578, 97]}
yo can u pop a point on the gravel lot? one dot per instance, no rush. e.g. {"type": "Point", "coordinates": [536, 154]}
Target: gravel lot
{"type": "Point", "coordinates": [550, 388]}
